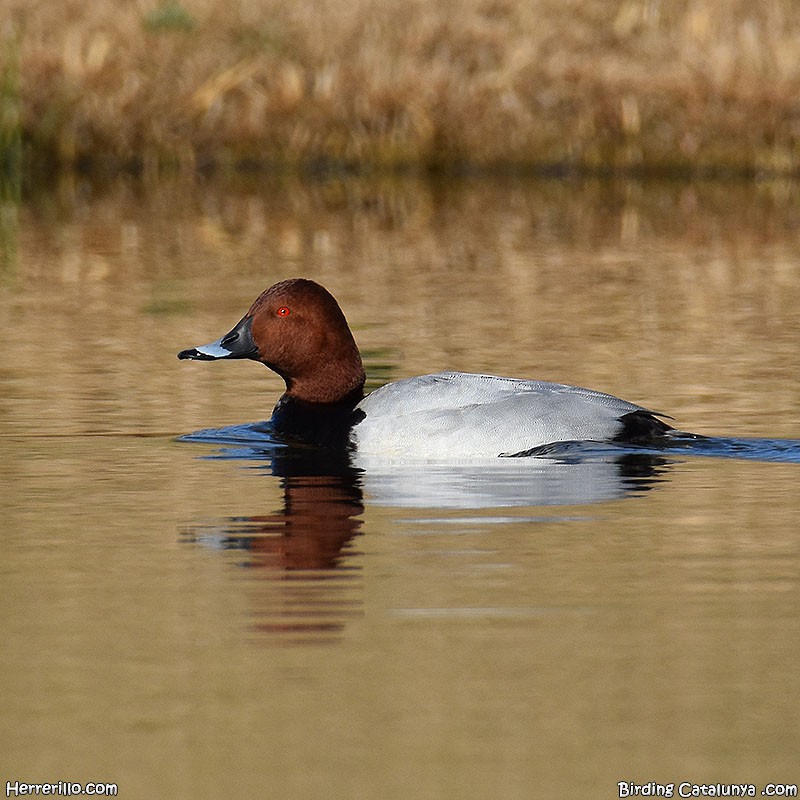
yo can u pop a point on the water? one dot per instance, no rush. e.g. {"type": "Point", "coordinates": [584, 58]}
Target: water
{"type": "Point", "coordinates": [191, 610]}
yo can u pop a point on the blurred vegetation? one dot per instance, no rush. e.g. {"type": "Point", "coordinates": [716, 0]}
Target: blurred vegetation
{"type": "Point", "coordinates": [10, 157]}
{"type": "Point", "coordinates": [169, 16]}
{"type": "Point", "coordinates": [688, 86]}
{"type": "Point", "coordinates": [10, 120]}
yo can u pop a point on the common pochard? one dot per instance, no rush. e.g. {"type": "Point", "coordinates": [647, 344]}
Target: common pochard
{"type": "Point", "coordinates": [297, 329]}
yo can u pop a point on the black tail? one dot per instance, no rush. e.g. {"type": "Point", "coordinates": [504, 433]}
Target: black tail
{"type": "Point", "coordinates": [642, 427]}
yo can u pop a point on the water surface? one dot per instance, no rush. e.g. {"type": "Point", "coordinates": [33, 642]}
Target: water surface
{"type": "Point", "coordinates": [222, 616]}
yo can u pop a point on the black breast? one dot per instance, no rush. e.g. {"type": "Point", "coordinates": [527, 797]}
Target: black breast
{"type": "Point", "coordinates": [320, 424]}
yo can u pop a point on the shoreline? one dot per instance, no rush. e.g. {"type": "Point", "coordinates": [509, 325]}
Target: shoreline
{"type": "Point", "coordinates": [592, 87]}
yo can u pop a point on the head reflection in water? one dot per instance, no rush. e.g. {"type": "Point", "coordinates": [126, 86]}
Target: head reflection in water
{"type": "Point", "coordinates": [297, 549]}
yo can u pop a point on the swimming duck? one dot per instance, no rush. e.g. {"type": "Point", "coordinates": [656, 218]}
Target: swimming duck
{"type": "Point", "coordinates": [297, 329]}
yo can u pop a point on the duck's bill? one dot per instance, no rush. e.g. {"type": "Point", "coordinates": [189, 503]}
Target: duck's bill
{"type": "Point", "coordinates": [238, 343]}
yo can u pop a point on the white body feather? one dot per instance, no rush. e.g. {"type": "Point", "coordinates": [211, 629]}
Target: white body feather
{"type": "Point", "coordinates": [457, 414]}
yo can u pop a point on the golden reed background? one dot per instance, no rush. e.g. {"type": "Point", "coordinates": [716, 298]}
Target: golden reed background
{"type": "Point", "coordinates": [631, 85]}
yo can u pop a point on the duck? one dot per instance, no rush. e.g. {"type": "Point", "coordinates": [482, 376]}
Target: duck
{"type": "Point", "coordinates": [297, 329]}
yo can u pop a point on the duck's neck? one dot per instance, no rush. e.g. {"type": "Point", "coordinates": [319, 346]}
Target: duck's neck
{"type": "Point", "coordinates": [339, 379]}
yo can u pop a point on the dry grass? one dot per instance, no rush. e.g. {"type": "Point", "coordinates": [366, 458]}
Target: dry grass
{"type": "Point", "coordinates": [372, 84]}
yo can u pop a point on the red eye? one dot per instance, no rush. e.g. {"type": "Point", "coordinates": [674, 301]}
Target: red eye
{"type": "Point", "coordinates": [283, 311]}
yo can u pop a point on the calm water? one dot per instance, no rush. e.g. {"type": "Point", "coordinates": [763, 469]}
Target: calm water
{"type": "Point", "coordinates": [204, 615]}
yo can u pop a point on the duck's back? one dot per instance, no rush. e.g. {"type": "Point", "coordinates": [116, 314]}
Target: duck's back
{"type": "Point", "coordinates": [456, 414]}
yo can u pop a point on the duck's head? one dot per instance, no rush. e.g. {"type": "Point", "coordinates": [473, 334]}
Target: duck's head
{"type": "Point", "coordinates": [298, 330]}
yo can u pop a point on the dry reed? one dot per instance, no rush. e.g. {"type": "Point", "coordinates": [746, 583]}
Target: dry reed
{"type": "Point", "coordinates": [690, 85]}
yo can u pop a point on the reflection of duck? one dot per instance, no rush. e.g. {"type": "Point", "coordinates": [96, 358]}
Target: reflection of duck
{"type": "Point", "coordinates": [321, 514]}
{"type": "Point", "coordinates": [297, 329]}
{"type": "Point", "coordinates": [505, 483]}
{"type": "Point", "coordinates": [309, 539]}
{"type": "Point", "coordinates": [305, 550]}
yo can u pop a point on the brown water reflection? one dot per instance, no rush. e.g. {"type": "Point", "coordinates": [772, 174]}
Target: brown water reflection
{"type": "Point", "coordinates": [463, 634]}
{"type": "Point", "coordinates": [305, 545]}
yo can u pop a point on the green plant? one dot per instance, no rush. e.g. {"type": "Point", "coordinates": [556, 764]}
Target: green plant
{"type": "Point", "coordinates": [170, 16]}
{"type": "Point", "coordinates": [10, 116]}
